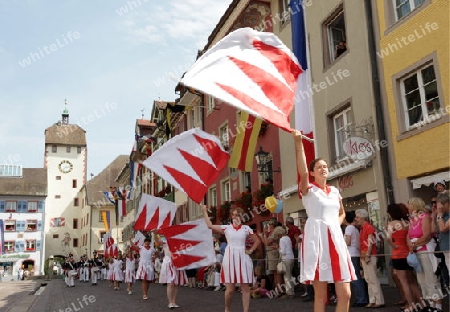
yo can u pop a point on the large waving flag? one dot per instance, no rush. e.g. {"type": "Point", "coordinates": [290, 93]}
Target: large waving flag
{"type": "Point", "coordinates": [154, 213]}
{"type": "Point", "coordinates": [245, 144]}
{"type": "Point", "coordinates": [191, 244]}
{"type": "Point", "coordinates": [251, 70]}
{"type": "Point", "coordinates": [190, 161]}
{"type": "Point", "coordinates": [304, 117]}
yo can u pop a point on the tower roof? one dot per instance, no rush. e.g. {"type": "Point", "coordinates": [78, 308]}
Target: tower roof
{"type": "Point", "coordinates": [63, 134]}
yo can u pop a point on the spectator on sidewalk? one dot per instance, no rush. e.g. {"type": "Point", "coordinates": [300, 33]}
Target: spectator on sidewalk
{"type": "Point", "coordinates": [397, 232]}
{"type": "Point", "coordinates": [420, 241]}
{"type": "Point", "coordinates": [351, 237]}
{"type": "Point", "coordinates": [443, 224]}
{"type": "Point", "coordinates": [368, 249]}
{"type": "Point", "coordinates": [293, 231]}
{"type": "Point", "coordinates": [287, 257]}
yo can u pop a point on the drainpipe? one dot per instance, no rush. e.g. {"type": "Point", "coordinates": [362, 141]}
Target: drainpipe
{"type": "Point", "coordinates": [387, 178]}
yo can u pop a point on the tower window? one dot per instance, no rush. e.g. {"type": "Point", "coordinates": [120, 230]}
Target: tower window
{"type": "Point", "coordinates": [78, 149]}
{"type": "Point", "coordinates": [54, 149]}
{"type": "Point", "coordinates": [68, 149]}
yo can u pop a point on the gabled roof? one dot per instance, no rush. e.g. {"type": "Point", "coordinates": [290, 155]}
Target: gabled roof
{"type": "Point", "coordinates": [104, 180]}
{"type": "Point", "coordinates": [32, 183]}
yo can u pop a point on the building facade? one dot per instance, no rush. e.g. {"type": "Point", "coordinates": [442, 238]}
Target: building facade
{"type": "Point", "coordinates": [413, 55]}
{"type": "Point", "coordinates": [95, 226]}
{"type": "Point", "coordinates": [22, 207]}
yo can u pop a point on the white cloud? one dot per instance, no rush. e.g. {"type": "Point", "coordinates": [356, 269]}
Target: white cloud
{"type": "Point", "coordinates": [188, 20]}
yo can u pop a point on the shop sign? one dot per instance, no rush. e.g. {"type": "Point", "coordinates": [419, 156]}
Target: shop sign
{"type": "Point", "coordinates": [358, 148]}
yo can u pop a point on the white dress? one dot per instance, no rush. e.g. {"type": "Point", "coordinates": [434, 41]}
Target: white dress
{"type": "Point", "coordinates": [169, 274]}
{"type": "Point", "coordinates": [129, 270]}
{"type": "Point", "coordinates": [117, 274]}
{"type": "Point", "coordinates": [325, 255]}
{"type": "Point", "coordinates": [145, 270]}
{"type": "Point", "coordinates": [237, 266]}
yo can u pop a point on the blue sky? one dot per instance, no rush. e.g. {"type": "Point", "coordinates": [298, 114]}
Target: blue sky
{"type": "Point", "coordinates": [118, 54]}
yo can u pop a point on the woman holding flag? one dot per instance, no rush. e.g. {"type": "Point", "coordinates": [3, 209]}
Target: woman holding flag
{"type": "Point", "coordinates": [145, 271]}
{"type": "Point", "coordinates": [237, 266]}
{"type": "Point", "coordinates": [171, 276]}
{"type": "Point", "coordinates": [326, 258]}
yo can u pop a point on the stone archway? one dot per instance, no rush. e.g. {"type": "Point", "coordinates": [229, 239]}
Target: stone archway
{"type": "Point", "coordinates": [28, 267]}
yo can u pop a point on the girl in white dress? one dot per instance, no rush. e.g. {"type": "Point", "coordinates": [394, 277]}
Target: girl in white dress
{"type": "Point", "coordinates": [325, 257]}
{"type": "Point", "coordinates": [237, 266]}
{"type": "Point", "coordinates": [145, 271]}
{"type": "Point", "coordinates": [171, 276]}
{"type": "Point", "coordinates": [129, 269]}
{"type": "Point", "coordinates": [110, 271]}
{"type": "Point", "coordinates": [117, 275]}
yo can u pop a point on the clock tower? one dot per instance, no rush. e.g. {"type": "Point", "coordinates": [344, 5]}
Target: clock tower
{"type": "Point", "coordinates": [66, 163]}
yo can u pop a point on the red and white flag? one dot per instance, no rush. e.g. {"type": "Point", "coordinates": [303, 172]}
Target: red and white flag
{"type": "Point", "coordinates": [154, 213]}
{"type": "Point", "coordinates": [108, 241]}
{"type": "Point", "coordinates": [252, 71]}
{"type": "Point", "coordinates": [112, 251]}
{"type": "Point", "coordinates": [191, 244]}
{"type": "Point", "coordinates": [190, 161]}
{"type": "Point", "coordinates": [122, 195]}
{"type": "Point", "coordinates": [138, 239]}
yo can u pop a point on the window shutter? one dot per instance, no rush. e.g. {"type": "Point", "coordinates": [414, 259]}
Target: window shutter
{"type": "Point", "coordinates": [41, 206]}
{"type": "Point", "coordinates": [2, 206]}
{"type": "Point", "coordinates": [22, 206]}
{"type": "Point", "coordinates": [39, 225]}
{"type": "Point", "coordinates": [17, 247]}
{"type": "Point", "coordinates": [38, 245]}
{"type": "Point", "coordinates": [20, 225]}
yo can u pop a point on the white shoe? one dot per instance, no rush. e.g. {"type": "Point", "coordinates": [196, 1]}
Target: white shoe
{"type": "Point", "coordinates": [217, 288]}
{"type": "Point", "coordinates": [173, 306]}
{"type": "Point", "coordinates": [129, 292]}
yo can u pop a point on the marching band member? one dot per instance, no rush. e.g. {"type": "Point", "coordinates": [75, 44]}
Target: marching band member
{"type": "Point", "coordinates": [72, 271]}
{"type": "Point", "coordinates": [103, 274]}
{"type": "Point", "coordinates": [95, 265]}
{"type": "Point", "coordinates": [84, 269]}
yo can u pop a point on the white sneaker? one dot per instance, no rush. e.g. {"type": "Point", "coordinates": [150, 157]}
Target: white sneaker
{"type": "Point", "coordinates": [129, 292]}
{"type": "Point", "coordinates": [217, 288]}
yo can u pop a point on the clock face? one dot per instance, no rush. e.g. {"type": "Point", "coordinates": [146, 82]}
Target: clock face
{"type": "Point", "coordinates": [65, 166]}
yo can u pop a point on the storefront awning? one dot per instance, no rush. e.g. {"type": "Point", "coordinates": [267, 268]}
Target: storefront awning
{"type": "Point", "coordinates": [430, 179]}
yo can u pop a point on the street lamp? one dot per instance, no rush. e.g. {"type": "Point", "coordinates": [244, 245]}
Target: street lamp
{"type": "Point", "coordinates": [263, 164]}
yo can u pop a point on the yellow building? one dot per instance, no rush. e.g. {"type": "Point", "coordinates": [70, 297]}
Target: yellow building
{"type": "Point", "coordinates": [413, 56]}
